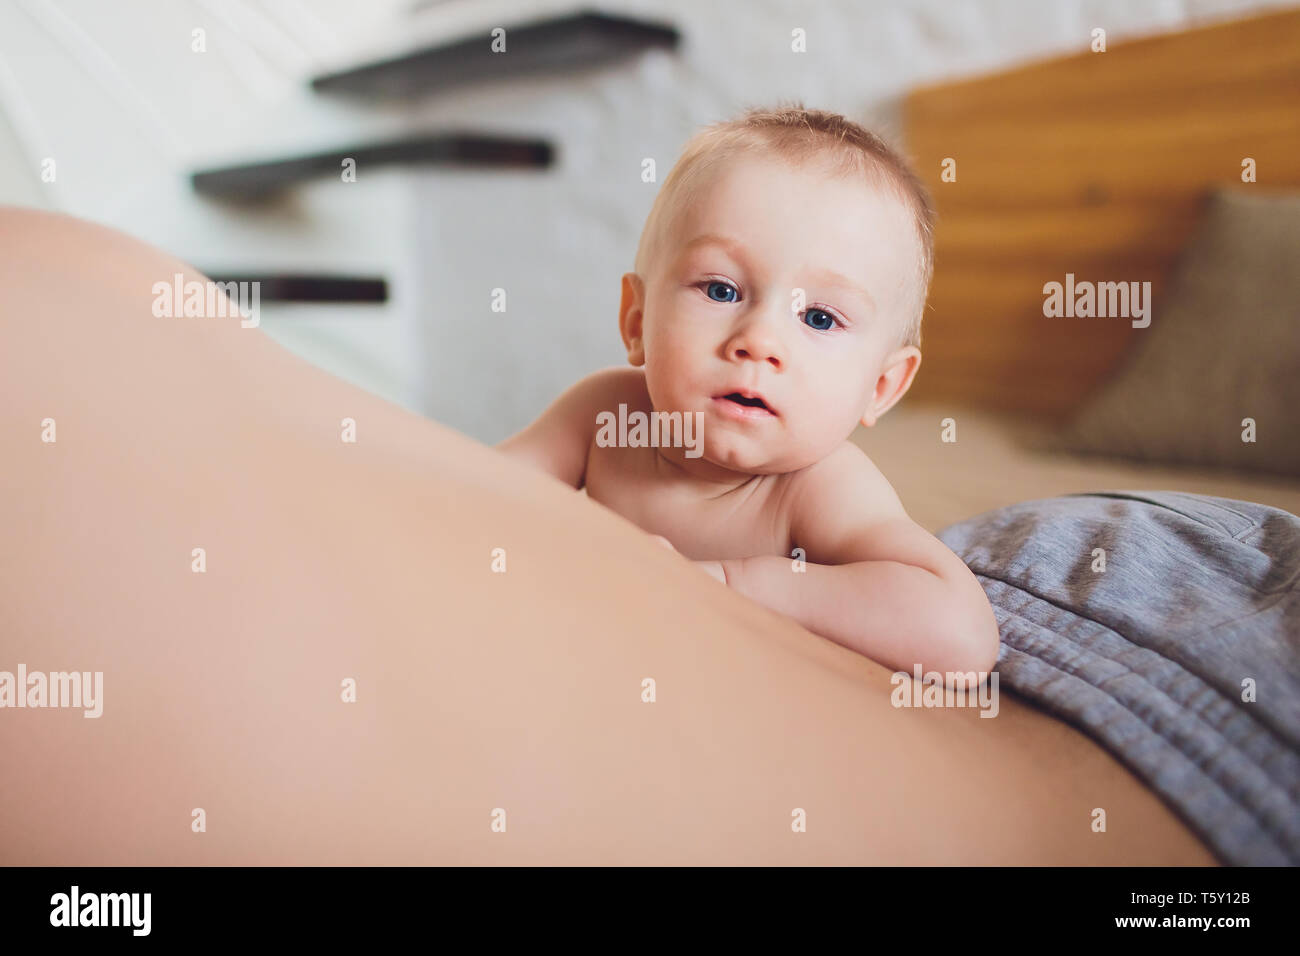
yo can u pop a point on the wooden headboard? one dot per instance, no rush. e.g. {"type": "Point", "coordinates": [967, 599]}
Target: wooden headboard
{"type": "Point", "coordinates": [1095, 164]}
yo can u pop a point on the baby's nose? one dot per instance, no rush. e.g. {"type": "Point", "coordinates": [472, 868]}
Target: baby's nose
{"type": "Point", "coordinates": [757, 341]}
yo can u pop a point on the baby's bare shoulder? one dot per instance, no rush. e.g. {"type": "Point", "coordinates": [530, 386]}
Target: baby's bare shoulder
{"type": "Point", "coordinates": [844, 490]}
{"type": "Point", "coordinates": [845, 476]}
{"type": "Point", "coordinates": [610, 386]}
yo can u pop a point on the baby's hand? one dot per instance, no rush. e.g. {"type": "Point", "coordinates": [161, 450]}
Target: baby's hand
{"type": "Point", "coordinates": [664, 541]}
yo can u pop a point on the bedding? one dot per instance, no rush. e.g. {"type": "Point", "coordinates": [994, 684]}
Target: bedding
{"type": "Point", "coordinates": [1166, 626]}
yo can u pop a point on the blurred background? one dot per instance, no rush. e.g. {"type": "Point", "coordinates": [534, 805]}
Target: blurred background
{"type": "Point", "coordinates": [216, 129]}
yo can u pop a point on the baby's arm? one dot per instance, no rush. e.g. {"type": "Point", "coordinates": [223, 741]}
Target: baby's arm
{"type": "Point", "coordinates": [875, 581]}
{"type": "Point", "coordinates": [559, 440]}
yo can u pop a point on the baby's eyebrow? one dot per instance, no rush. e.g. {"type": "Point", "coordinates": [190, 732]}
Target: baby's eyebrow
{"type": "Point", "coordinates": [734, 246]}
{"type": "Point", "coordinates": [827, 277]}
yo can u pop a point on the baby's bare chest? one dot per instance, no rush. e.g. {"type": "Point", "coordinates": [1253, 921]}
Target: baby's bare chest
{"type": "Point", "coordinates": [747, 521]}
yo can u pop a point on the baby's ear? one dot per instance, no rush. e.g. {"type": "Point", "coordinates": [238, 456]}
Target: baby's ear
{"type": "Point", "coordinates": [896, 374]}
{"type": "Point", "coordinates": [631, 312]}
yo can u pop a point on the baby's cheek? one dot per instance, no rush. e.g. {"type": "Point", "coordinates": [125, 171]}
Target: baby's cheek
{"type": "Point", "coordinates": [837, 402]}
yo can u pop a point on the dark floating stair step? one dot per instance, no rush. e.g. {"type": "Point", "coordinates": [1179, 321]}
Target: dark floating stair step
{"type": "Point", "coordinates": [259, 179]}
{"type": "Point", "coordinates": [548, 46]}
{"type": "Point", "coordinates": [301, 287]}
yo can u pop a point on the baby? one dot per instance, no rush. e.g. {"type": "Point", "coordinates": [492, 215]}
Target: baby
{"type": "Point", "coordinates": [776, 302]}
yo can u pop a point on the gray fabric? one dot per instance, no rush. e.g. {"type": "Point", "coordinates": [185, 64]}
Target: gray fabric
{"type": "Point", "coordinates": [1223, 346]}
{"type": "Point", "coordinates": [1149, 656]}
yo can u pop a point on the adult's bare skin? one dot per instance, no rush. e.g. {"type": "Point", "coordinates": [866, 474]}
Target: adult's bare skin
{"type": "Point", "coordinates": [475, 690]}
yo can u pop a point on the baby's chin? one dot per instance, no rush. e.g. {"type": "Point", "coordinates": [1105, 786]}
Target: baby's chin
{"type": "Point", "coordinates": [757, 461]}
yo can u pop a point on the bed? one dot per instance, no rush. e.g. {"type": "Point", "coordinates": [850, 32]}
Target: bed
{"type": "Point", "coordinates": [1095, 164]}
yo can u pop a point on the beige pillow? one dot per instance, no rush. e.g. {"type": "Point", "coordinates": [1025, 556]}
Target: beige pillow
{"type": "Point", "coordinates": [1223, 346]}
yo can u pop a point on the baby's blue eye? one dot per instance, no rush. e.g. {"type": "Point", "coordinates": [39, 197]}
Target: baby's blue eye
{"type": "Point", "coordinates": [814, 318]}
{"type": "Point", "coordinates": [720, 292]}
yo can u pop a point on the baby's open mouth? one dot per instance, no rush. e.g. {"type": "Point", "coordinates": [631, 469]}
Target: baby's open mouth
{"type": "Point", "coordinates": [752, 402]}
{"type": "Point", "coordinates": [741, 400]}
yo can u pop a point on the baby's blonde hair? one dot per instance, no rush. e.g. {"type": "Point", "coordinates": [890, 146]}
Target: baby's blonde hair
{"type": "Point", "coordinates": [797, 135]}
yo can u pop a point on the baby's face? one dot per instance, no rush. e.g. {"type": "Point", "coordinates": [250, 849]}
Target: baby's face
{"type": "Point", "coordinates": [722, 314]}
